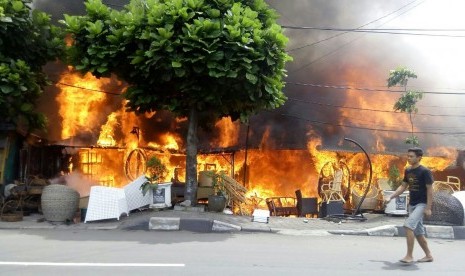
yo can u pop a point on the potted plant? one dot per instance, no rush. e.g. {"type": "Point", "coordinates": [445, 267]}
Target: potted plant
{"type": "Point", "coordinates": [399, 205]}
{"type": "Point", "coordinates": [156, 172]}
{"type": "Point", "coordinates": [217, 201]}
{"type": "Point", "coordinates": [394, 177]}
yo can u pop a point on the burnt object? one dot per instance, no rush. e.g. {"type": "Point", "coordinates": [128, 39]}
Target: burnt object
{"type": "Point", "coordinates": [446, 210]}
{"type": "Point", "coordinates": [332, 208]}
{"type": "Point", "coordinates": [306, 205]}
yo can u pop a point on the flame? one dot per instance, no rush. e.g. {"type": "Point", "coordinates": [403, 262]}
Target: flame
{"type": "Point", "coordinates": [265, 173]}
{"type": "Point", "coordinates": [106, 134]}
{"type": "Point", "coordinates": [77, 106]}
{"type": "Point", "coordinates": [169, 142]}
{"type": "Point", "coordinates": [228, 133]}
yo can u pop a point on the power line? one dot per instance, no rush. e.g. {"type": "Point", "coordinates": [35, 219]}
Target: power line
{"type": "Point", "coordinates": [350, 42]}
{"type": "Point", "coordinates": [90, 89]}
{"type": "Point", "coordinates": [374, 110]}
{"type": "Point", "coordinates": [370, 89]}
{"type": "Point", "coordinates": [373, 129]}
{"type": "Point", "coordinates": [371, 31]}
{"type": "Point", "coordinates": [334, 36]}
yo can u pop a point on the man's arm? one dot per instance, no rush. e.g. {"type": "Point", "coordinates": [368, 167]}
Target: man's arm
{"type": "Point", "coordinates": [398, 191]}
{"type": "Point", "coordinates": [429, 200]}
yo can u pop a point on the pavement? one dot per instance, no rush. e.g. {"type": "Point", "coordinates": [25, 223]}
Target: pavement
{"type": "Point", "coordinates": [197, 220]}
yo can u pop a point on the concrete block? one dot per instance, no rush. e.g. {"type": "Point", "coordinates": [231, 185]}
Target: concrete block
{"type": "Point", "coordinates": [385, 230]}
{"type": "Point", "coordinates": [196, 225]}
{"type": "Point", "coordinates": [159, 223]}
{"type": "Point", "coordinates": [459, 232]}
{"type": "Point", "coordinates": [199, 209]}
{"type": "Point", "coordinates": [440, 232]}
{"type": "Point", "coordinates": [219, 226]}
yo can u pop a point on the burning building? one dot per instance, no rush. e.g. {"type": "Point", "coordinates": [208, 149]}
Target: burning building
{"type": "Point", "coordinates": [278, 152]}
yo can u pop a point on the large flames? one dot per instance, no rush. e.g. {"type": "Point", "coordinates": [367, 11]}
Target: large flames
{"type": "Point", "coordinates": [120, 149]}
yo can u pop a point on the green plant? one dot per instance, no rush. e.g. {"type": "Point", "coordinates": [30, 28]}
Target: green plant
{"type": "Point", "coordinates": [218, 182]}
{"type": "Point", "coordinates": [395, 179]}
{"type": "Point", "coordinates": [408, 100]}
{"type": "Point", "coordinates": [156, 172]}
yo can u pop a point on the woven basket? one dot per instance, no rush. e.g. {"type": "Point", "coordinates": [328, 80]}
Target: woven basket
{"type": "Point", "coordinates": [370, 202]}
{"type": "Point", "coordinates": [12, 217]}
{"type": "Point", "coordinates": [59, 202]}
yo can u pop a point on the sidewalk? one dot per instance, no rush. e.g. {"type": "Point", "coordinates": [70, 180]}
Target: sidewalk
{"type": "Point", "coordinates": [375, 225]}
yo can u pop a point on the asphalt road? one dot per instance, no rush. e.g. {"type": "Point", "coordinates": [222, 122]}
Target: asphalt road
{"type": "Point", "coordinates": [116, 252]}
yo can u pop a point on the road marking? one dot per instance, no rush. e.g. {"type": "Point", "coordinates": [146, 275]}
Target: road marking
{"type": "Point", "coordinates": [89, 264]}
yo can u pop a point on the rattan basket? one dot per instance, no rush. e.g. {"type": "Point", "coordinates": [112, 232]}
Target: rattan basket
{"type": "Point", "coordinates": [12, 217]}
{"type": "Point", "coordinates": [59, 202]}
{"type": "Point", "coordinates": [370, 202]}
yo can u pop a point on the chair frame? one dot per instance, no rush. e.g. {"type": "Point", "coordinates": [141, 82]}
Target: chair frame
{"type": "Point", "coordinates": [332, 191]}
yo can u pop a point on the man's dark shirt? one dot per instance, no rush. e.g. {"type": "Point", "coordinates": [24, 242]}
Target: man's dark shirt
{"type": "Point", "coordinates": [417, 179]}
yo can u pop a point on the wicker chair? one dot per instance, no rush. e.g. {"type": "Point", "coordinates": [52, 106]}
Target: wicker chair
{"type": "Point", "coordinates": [332, 191]}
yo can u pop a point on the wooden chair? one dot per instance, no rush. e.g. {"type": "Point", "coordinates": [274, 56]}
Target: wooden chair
{"type": "Point", "coordinates": [332, 191]}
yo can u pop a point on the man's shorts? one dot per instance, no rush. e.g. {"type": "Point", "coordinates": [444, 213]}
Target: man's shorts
{"type": "Point", "coordinates": [415, 219]}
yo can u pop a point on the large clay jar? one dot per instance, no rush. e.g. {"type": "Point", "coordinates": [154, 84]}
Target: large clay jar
{"type": "Point", "coordinates": [216, 203]}
{"type": "Point", "coordinates": [59, 203]}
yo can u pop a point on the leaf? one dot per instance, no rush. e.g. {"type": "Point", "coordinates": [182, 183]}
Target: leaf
{"type": "Point", "coordinates": [176, 64]}
{"type": "Point", "coordinates": [252, 78]}
{"type": "Point", "coordinates": [25, 107]}
{"type": "Point", "coordinates": [6, 89]}
{"type": "Point", "coordinates": [17, 6]}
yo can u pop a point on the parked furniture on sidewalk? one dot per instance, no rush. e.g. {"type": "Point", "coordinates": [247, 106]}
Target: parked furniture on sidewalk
{"type": "Point", "coordinates": [134, 197]}
{"type": "Point", "coordinates": [282, 206]}
{"type": "Point", "coordinates": [331, 208]}
{"type": "Point", "coordinates": [106, 203]}
{"type": "Point", "coordinates": [306, 205]}
{"type": "Point", "coordinates": [332, 191]}
{"type": "Point", "coordinates": [451, 185]}
{"type": "Point", "coordinates": [371, 200]}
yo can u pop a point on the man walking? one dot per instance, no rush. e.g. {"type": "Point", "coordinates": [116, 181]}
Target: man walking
{"type": "Point", "coordinates": [419, 180]}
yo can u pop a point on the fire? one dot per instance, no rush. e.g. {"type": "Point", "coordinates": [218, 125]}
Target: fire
{"type": "Point", "coordinates": [106, 134]}
{"type": "Point", "coordinates": [77, 106]}
{"type": "Point", "coordinates": [267, 172]}
{"type": "Point", "coordinates": [320, 158]}
{"type": "Point", "coordinates": [169, 142]}
{"type": "Point", "coordinates": [228, 133]}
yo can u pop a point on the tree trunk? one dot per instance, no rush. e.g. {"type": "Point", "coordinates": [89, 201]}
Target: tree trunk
{"type": "Point", "coordinates": [190, 192]}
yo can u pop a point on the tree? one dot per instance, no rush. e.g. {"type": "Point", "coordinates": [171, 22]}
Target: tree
{"type": "Point", "coordinates": [200, 59]}
{"type": "Point", "coordinates": [27, 42]}
{"type": "Point", "coordinates": [408, 100]}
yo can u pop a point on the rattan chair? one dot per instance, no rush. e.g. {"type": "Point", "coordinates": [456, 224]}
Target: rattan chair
{"type": "Point", "coordinates": [332, 191]}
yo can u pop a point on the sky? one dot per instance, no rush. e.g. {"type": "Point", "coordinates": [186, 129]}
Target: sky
{"type": "Point", "coordinates": [326, 63]}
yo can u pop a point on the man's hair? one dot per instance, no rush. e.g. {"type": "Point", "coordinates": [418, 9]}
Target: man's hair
{"type": "Point", "coordinates": [418, 151]}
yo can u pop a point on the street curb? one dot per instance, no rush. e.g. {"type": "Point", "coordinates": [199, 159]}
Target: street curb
{"type": "Point", "coordinates": [432, 231]}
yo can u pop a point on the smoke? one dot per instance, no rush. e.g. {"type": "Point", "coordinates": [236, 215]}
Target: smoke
{"type": "Point", "coordinates": [358, 60]}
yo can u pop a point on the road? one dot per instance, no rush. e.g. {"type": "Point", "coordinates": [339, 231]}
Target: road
{"type": "Point", "coordinates": [114, 252]}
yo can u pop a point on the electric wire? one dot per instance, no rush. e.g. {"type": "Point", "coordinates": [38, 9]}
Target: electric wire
{"type": "Point", "coordinates": [334, 36]}
{"type": "Point", "coordinates": [349, 42]}
{"type": "Point", "coordinates": [372, 129]}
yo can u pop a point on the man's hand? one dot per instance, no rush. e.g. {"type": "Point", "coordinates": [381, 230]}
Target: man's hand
{"type": "Point", "coordinates": [428, 211]}
{"type": "Point", "coordinates": [387, 200]}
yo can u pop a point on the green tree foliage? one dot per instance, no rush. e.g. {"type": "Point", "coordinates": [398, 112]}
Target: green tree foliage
{"type": "Point", "coordinates": [197, 58]}
{"type": "Point", "coordinates": [27, 42]}
{"type": "Point", "coordinates": [408, 100]}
